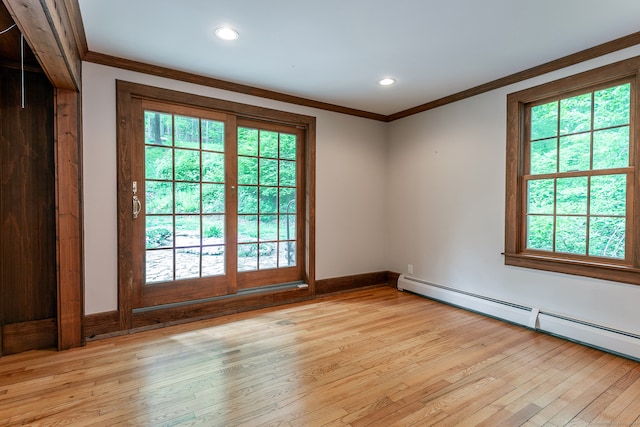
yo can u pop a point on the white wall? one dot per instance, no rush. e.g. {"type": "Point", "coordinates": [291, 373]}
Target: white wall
{"type": "Point", "coordinates": [350, 186]}
{"type": "Point", "coordinates": [447, 192]}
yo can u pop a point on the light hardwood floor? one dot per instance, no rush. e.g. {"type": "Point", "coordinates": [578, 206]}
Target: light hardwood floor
{"type": "Point", "coordinates": [368, 357]}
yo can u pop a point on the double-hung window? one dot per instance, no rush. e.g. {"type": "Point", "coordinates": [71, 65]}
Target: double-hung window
{"type": "Point", "coordinates": [571, 175]}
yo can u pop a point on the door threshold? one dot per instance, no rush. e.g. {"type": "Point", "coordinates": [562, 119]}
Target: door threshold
{"type": "Point", "coordinates": [242, 292]}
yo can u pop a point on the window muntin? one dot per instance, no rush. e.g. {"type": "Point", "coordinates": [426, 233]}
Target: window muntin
{"type": "Point", "coordinates": [578, 172]}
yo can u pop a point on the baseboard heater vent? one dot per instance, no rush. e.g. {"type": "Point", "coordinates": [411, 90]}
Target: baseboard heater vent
{"type": "Point", "coordinates": [623, 343]}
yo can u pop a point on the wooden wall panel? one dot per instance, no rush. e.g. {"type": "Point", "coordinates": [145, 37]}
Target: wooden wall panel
{"type": "Point", "coordinates": [53, 30]}
{"type": "Point", "coordinates": [27, 203]}
{"type": "Point", "coordinates": [24, 336]}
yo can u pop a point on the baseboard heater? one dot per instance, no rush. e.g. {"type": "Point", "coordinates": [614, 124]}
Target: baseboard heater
{"type": "Point", "coordinates": [612, 340]}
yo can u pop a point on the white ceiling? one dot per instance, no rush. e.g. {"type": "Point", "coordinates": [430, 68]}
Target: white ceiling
{"type": "Point", "coordinates": [335, 51]}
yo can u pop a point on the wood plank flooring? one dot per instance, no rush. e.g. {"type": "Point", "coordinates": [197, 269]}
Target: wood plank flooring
{"type": "Point", "coordinates": [372, 357]}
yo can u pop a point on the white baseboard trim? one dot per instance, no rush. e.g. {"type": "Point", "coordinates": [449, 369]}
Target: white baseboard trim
{"type": "Point", "coordinates": [611, 340]}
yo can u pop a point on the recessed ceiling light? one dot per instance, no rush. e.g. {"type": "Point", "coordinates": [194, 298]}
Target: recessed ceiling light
{"type": "Point", "coordinates": [226, 33]}
{"type": "Point", "coordinates": [387, 81]}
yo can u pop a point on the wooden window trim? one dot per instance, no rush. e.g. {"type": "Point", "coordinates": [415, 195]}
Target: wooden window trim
{"type": "Point", "coordinates": [127, 94]}
{"type": "Point", "coordinates": [515, 253]}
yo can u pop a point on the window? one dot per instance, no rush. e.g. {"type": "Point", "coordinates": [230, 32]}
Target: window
{"type": "Point", "coordinates": [571, 175]}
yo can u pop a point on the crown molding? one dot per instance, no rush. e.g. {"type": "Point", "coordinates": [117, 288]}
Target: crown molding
{"type": "Point", "coordinates": [557, 64]}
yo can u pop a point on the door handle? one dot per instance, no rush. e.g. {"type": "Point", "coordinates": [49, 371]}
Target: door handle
{"type": "Point", "coordinates": [137, 205]}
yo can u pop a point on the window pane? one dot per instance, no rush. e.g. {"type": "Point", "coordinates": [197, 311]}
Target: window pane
{"type": "Point", "coordinates": [247, 170]}
{"type": "Point", "coordinates": [287, 173]}
{"type": "Point", "coordinates": [540, 232]}
{"type": "Point", "coordinates": [268, 144]}
{"type": "Point", "coordinates": [268, 200]}
{"type": "Point", "coordinates": [611, 148]}
{"type": "Point", "coordinates": [571, 195]}
{"type": "Point", "coordinates": [213, 261]}
{"type": "Point", "coordinates": [544, 156]}
{"type": "Point", "coordinates": [571, 234]}
{"type": "Point", "coordinates": [157, 128]}
{"type": "Point", "coordinates": [612, 106]}
{"type": "Point", "coordinates": [212, 167]}
{"type": "Point", "coordinates": [187, 132]}
{"type": "Point", "coordinates": [187, 165]}
{"type": "Point", "coordinates": [540, 196]}
{"type": "Point", "coordinates": [575, 114]}
{"type": "Point", "coordinates": [187, 230]}
{"type": "Point", "coordinates": [575, 152]}
{"type": "Point", "coordinates": [287, 146]}
{"type": "Point", "coordinates": [268, 227]}
{"type": "Point", "coordinates": [247, 141]}
{"type": "Point", "coordinates": [247, 257]}
{"type": "Point", "coordinates": [287, 227]}
{"type": "Point", "coordinates": [247, 199]}
{"type": "Point", "coordinates": [247, 228]}
{"type": "Point", "coordinates": [159, 231]}
{"type": "Point", "coordinates": [268, 172]}
{"type": "Point", "coordinates": [213, 198]}
{"type": "Point", "coordinates": [158, 163]}
{"type": "Point", "coordinates": [287, 200]}
{"type": "Point", "coordinates": [159, 266]}
{"type": "Point", "coordinates": [187, 198]}
{"type": "Point", "coordinates": [609, 195]}
{"type": "Point", "coordinates": [544, 121]}
{"type": "Point", "coordinates": [213, 229]}
{"type": "Point", "coordinates": [268, 256]}
{"type": "Point", "coordinates": [607, 237]}
{"type": "Point", "coordinates": [187, 263]}
{"type": "Point", "coordinates": [158, 197]}
{"type": "Point", "coordinates": [287, 254]}
{"type": "Point", "coordinates": [212, 135]}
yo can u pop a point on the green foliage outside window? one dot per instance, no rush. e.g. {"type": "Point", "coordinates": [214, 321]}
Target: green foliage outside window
{"type": "Point", "coordinates": [190, 151]}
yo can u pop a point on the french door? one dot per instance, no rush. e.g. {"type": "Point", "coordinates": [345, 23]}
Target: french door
{"type": "Point", "coordinates": [217, 203]}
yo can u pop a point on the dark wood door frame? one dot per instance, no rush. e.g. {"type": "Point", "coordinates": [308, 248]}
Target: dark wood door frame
{"type": "Point", "coordinates": [69, 219]}
{"type": "Point", "coordinates": [126, 95]}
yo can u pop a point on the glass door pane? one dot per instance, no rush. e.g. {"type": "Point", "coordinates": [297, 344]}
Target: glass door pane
{"type": "Point", "coordinates": [267, 195]}
{"type": "Point", "coordinates": [184, 185]}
